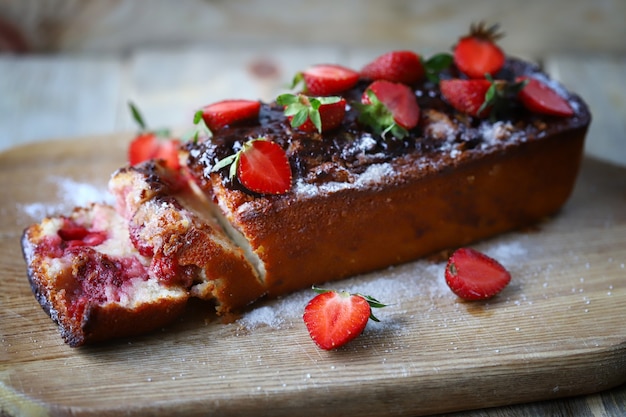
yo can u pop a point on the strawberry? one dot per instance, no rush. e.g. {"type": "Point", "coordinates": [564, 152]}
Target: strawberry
{"type": "Point", "coordinates": [76, 235]}
{"type": "Point", "coordinates": [396, 66]}
{"type": "Point", "coordinates": [477, 53]}
{"type": "Point", "coordinates": [540, 98]}
{"type": "Point", "coordinates": [152, 144]}
{"type": "Point", "coordinates": [473, 275]}
{"type": "Point", "coordinates": [228, 112]}
{"type": "Point", "coordinates": [389, 107]}
{"type": "Point", "coordinates": [467, 96]}
{"type": "Point", "coordinates": [334, 318]}
{"type": "Point", "coordinates": [142, 148]}
{"type": "Point", "coordinates": [261, 166]}
{"type": "Point", "coordinates": [168, 152]}
{"type": "Point", "coordinates": [326, 79]}
{"type": "Point", "coordinates": [311, 114]}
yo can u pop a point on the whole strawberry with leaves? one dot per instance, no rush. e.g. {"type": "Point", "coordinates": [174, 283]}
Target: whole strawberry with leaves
{"type": "Point", "coordinates": [477, 54]}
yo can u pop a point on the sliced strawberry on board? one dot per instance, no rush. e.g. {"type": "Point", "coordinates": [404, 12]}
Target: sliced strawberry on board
{"type": "Point", "coordinates": [472, 275]}
{"type": "Point", "coordinates": [326, 79]}
{"type": "Point", "coordinates": [261, 166]}
{"type": "Point", "coordinates": [477, 53]}
{"type": "Point", "coordinates": [335, 318]}
{"type": "Point", "coordinates": [396, 66]}
{"type": "Point", "coordinates": [538, 97]}
{"type": "Point", "coordinates": [467, 96]}
{"type": "Point", "coordinates": [228, 112]}
{"type": "Point", "coordinates": [389, 107]}
{"type": "Point", "coordinates": [313, 114]}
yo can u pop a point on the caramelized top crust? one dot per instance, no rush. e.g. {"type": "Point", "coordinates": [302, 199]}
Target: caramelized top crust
{"type": "Point", "coordinates": [353, 157]}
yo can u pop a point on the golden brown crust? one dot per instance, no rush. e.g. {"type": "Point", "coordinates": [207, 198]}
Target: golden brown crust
{"type": "Point", "coordinates": [305, 240]}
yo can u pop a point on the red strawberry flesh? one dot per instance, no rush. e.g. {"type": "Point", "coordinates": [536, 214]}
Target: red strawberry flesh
{"type": "Point", "coordinates": [466, 96]}
{"type": "Point", "coordinates": [473, 275]}
{"type": "Point", "coordinates": [540, 98]}
{"type": "Point", "coordinates": [396, 66]}
{"type": "Point", "coordinates": [264, 168]}
{"type": "Point", "coordinates": [333, 319]}
{"type": "Point", "coordinates": [399, 99]}
{"type": "Point", "coordinates": [142, 148]}
{"type": "Point", "coordinates": [228, 112]}
{"type": "Point", "coordinates": [328, 79]}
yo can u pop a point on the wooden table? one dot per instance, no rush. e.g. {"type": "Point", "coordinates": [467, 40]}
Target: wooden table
{"type": "Point", "coordinates": [46, 97]}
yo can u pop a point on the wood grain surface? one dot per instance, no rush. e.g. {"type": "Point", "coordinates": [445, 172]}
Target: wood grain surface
{"type": "Point", "coordinates": [556, 331]}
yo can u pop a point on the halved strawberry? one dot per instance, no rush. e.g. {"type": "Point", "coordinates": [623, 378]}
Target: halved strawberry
{"type": "Point", "coordinates": [261, 166]}
{"type": "Point", "coordinates": [396, 66]}
{"type": "Point", "coordinates": [389, 107]}
{"type": "Point", "coordinates": [467, 96]}
{"type": "Point", "coordinates": [540, 98]}
{"type": "Point", "coordinates": [228, 112]}
{"type": "Point", "coordinates": [472, 275]}
{"type": "Point", "coordinates": [335, 318]}
{"type": "Point", "coordinates": [477, 53]}
{"type": "Point", "coordinates": [311, 114]}
{"type": "Point", "coordinates": [326, 79]}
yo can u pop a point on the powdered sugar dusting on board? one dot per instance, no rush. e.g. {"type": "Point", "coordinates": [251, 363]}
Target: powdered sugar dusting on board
{"type": "Point", "coordinates": [394, 286]}
{"type": "Point", "coordinates": [70, 193]}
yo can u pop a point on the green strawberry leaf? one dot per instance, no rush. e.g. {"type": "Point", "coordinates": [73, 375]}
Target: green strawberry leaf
{"type": "Point", "coordinates": [300, 108]}
{"type": "Point", "coordinates": [377, 116]}
{"type": "Point", "coordinates": [143, 127]}
{"type": "Point", "coordinates": [137, 117]}
{"type": "Point", "coordinates": [435, 64]}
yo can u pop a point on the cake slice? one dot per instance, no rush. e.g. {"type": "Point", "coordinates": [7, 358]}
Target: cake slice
{"type": "Point", "coordinates": [92, 282]}
{"type": "Point", "coordinates": [176, 228]}
{"type": "Point", "coordinates": [104, 272]}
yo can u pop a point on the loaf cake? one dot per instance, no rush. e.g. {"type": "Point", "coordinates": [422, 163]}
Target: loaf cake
{"type": "Point", "coordinates": [357, 198]}
{"type": "Point", "coordinates": [360, 202]}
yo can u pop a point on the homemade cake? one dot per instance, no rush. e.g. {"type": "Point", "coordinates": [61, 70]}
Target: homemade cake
{"type": "Point", "coordinates": [276, 197]}
{"type": "Point", "coordinates": [360, 202]}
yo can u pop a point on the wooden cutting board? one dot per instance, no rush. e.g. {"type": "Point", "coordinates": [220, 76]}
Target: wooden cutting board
{"type": "Point", "coordinates": [558, 329]}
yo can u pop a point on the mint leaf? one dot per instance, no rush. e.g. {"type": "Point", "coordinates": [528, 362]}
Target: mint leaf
{"type": "Point", "coordinates": [137, 116]}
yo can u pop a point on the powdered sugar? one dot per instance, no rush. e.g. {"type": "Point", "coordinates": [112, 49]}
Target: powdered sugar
{"type": "Point", "coordinates": [419, 280]}
{"type": "Point", "coordinates": [70, 193]}
{"type": "Point", "coordinates": [374, 174]}
{"type": "Point", "coordinates": [494, 133]}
